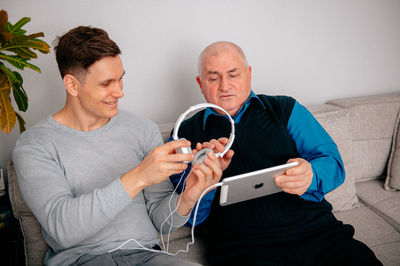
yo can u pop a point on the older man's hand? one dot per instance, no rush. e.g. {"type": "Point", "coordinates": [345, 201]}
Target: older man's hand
{"type": "Point", "coordinates": [296, 180]}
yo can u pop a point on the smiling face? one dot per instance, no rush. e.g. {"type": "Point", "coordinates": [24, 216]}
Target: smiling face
{"type": "Point", "coordinates": [97, 93]}
{"type": "Point", "coordinates": [102, 88]}
{"type": "Point", "coordinates": [225, 78]}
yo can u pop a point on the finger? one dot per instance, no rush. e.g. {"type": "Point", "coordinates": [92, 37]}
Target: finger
{"type": "Point", "coordinates": [200, 174]}
{"type": "Point", "coordinates": [179, 157]}
{"type": "Point", "coordinates": [171, 146]}
{"type": "Point", "coordinates": [213, 163]}
{"type": "Point", "coordinates": [208, 145]}
{"type": "Point", "coordinates": [206, 174]}
{"type": "Point", "coordinates": [284, 181]}
{"type": "Point", "coordinates": [229, 155]}
{"type": "Point", "coordinates": [301, 168]}
{"type": "Point", "coordinates": [198, 146]}
{"type": "Point", "coordinates": [171, 168]}
{"type": "Point", "coordinates": [218, 146]}
{"type": "Point", "coordinates": [223, 140]}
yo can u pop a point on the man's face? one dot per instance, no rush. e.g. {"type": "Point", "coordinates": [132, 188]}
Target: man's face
{"type": "Point", "coordinates": [225, 80]}
{"type": "Point", "coordinates": [101, 89]}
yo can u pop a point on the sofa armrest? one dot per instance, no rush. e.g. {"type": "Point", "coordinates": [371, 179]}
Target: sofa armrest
{"type": "Point", "coordinates": [35, 246]}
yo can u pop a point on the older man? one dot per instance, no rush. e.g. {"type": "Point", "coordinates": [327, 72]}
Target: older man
{"type": "Point", "coordinates": [293, 227]}
{"type": "Point", "coordinates": [97, 179]}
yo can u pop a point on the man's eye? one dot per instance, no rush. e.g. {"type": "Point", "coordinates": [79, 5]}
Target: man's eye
{"type": "Point", "coordinates": [212, 79]}
{"type": "Point", "coordinates": [106, 84]}
{"type": "Point", "coordinates": [234, 75]}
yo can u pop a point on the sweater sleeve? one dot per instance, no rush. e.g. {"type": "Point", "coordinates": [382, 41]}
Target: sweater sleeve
{"type": "Point", "coordinates": [67, 219]}
{"type": "Point", "coordinates": [316, 146]}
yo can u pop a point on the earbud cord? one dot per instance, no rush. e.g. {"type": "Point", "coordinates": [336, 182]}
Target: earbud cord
{"type": "Point", "coordinates": [192, 231]}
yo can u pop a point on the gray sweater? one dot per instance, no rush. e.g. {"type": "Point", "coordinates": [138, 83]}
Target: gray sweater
{"type": "Point", "coordinates": [70, 179]}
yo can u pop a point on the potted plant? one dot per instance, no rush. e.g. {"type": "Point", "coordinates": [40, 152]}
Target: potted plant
{"type": "Point", "coordinates": [16, 48]}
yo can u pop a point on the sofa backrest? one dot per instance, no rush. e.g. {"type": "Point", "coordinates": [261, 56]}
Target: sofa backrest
{"type": "Point", "coordinates": [372, 120]}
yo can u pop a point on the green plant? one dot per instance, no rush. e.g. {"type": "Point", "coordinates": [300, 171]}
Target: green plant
{"type": "Point", "coordinates": [16, 49]}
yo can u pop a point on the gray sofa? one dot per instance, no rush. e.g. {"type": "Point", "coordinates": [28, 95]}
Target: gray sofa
{"type": "Point", "coordinates": [363, 129]}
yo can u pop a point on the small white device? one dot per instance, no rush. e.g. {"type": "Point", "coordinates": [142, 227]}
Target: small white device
{"type": "Point", "coordinates": [202, 154]}
{"type": "Point", "coordinates": [251, 185]}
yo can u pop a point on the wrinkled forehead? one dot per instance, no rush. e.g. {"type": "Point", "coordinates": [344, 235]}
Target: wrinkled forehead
{"type": "Point", "coordinates": [223, 58]}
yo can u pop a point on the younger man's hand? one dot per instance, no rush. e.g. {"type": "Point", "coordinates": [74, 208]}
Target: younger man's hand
{"type": "Point", "coordinates": [157, 166]}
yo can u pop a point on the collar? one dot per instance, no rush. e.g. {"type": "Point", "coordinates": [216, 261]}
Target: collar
{"type": "Point", "coordinates": [236, 118]}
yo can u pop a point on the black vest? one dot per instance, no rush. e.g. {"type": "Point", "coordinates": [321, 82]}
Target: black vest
{"type": "Point", "coordinates": [261, 140]}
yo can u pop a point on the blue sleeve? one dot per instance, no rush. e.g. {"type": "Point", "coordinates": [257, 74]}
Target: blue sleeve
{"type": "Point", "coordinates": [204, 209]}
{"type": "Point", "coordinates": [316, 146]}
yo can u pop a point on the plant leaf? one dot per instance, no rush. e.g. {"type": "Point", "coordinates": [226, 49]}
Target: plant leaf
{"type": "Point", "coordinates": [15, 80]}
{"type": "Point", "coordinates": [4, 35]}
{"type": "Point", "coordinates": [7, 115]}
{"type": "Point", "coordinates": [21, 123]}
{"type": "Point", "coordinates": [24, 52]}
{"type": "Point", "coordinates": [39, 45]}
{"type": "Point", "coordinates": [3, 18]}
{"type": "Point", "coordinates": [20, 98]}
{"type": "Point", "coordinates": [18, 62]}
{"type": "Point", "coordinates": [17, 26]}
{"type": "Point", "coordinates": [25, 42]}
{"type": "Point", "coordinates": [35, 35]}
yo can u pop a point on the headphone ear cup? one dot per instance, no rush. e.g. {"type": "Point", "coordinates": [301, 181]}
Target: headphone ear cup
{"type": "Point", "coordinates": [184, 150]}
{"type": "Point", "coordinates": [200, 156]}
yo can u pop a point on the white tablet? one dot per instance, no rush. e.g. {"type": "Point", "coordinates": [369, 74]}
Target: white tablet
{"type": "Point", "coordinates": [251, 185]}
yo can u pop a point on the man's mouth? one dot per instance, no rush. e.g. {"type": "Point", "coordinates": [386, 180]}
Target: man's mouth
{"type": "Point", "coordinates": [111, 103]}
{"type": "Point", "coordinates": [226, 96]}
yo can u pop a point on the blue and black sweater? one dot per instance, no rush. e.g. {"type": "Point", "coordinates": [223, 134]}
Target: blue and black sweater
{"type": "Point", "coordinates": [269, 130]}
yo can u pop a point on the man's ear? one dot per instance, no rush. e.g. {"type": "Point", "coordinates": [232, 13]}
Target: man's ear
{"type": "Point", "coordinates": [250, 71]}
{"type": "Point", "coordinates": [71, 84]}
{"type": "Point", "coordinates": [199, 82]}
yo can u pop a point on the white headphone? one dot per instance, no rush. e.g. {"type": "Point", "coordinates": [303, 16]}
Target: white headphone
{"type": "Point", "coordinates": [202, 154]}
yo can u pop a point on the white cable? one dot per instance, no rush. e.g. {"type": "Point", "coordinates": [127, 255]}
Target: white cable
{"type": "Point", "coordinates": [192, 231]}
{"type": "Point", "coordinates": [171, 212]}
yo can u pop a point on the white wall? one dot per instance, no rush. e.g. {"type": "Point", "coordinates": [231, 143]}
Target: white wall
{"type": "Point", "coordinates": [314, 50]}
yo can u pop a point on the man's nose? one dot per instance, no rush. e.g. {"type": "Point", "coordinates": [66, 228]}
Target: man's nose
{"type": "Point", "coordinates": [117, 90]}
{"type": "Point", "coordinates": [224, 85]}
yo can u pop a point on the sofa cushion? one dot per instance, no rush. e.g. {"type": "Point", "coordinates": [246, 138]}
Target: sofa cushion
{"type": "Point", "coordinates": [393, 173]}
{"type": "Point", "coordinates": [383, 202]}
{"type": "Point", "coordinates": [372, 119]}
{"type": "Point", "coordinates": [165, 129]}
{"type": "Point", "coordinates": [375, 232]}
{"type": "Point", "coordinates": [35, 246]}
{"type": "Point", "coordinates": [196, 253]}
{"type": "Point", "coordinates": [335, 121]}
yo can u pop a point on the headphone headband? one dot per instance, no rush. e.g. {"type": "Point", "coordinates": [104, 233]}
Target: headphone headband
{"type": "Point", "coordinates": [200, 106]}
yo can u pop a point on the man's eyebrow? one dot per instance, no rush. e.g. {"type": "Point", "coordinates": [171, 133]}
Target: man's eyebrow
{"type": "Point", "coordinates": [212, 72]}
{"type": "Point", "coordinates": [110, 80]}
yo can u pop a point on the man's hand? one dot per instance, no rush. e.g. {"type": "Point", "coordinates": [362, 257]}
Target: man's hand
{"type": "Point", "coordinates": [217, 146]}
{"type": "Point", "coordinates": [200, 178]}
{"type": "Point", "coordinates": [157, 166]}
{"type": "Point", "coordinates": [296, 180]}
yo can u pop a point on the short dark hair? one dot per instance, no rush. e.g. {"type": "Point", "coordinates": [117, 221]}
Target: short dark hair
{"type": "Point", "coordinates": [80, 47]}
